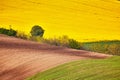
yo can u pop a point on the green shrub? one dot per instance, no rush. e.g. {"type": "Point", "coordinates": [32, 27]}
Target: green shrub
{"type": "Point", "coordinates": [60, 41]}
{"type": "Point", "coordinates": [74, 44]}
{"type": "Point", "coordinates": [22, 35]}
{"type": "Point", "coordinates": [9, 32]}
{"type": "Point", "coordinates": [12, 32]}
{"type": "Point", "coordinates": [3, 31]}
{"type": "Point", "coordinates": [37, 38]}
{"type": "Point", "coordinates": [52, 41]}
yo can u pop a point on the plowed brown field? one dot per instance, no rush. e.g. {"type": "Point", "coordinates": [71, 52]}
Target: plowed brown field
{"type": "Point", "coordinates": [21, 58]}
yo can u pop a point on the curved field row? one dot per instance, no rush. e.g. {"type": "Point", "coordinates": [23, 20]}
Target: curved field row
{"type": "Point", "coordinates": [21, 58]}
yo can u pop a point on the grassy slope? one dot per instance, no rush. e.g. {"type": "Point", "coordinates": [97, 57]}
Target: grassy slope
{"type": "Point", "coordinates": [107, 69]}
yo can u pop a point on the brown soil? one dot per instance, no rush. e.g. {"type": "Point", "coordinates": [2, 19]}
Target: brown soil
{"type": "Point", "coordinates": [21, 58]}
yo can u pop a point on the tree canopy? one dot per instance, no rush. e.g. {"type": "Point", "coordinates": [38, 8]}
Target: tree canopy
{"type": "Point", "coordinates": [37, 31]}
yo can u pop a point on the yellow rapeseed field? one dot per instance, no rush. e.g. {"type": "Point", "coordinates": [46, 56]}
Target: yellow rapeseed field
{"type": "Point", "coordinates": [83, 20]}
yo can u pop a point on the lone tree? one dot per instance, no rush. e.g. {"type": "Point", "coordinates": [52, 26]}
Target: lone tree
{"type": "Point", "coordinates": [37, 31]}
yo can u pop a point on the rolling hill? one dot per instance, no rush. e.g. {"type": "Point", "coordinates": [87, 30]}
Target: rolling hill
{"type": "Point", "coordinates": [106, 69]}
{"type": "Point", "coordinates": [20, 59]}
